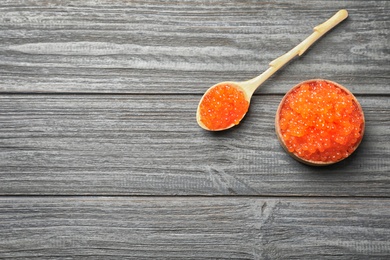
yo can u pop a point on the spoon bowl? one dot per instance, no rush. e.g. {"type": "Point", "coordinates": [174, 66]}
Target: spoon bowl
{"type": "Point", "coordinates": [245, 96]}
{"type": "Point", "coordinates": [247, 88]}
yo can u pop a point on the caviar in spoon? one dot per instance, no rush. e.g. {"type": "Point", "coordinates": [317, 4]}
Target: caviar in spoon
{"type": "Point", "coordinates": [216, 109]}
{"type": "Point", "coordinates": [222, 107]}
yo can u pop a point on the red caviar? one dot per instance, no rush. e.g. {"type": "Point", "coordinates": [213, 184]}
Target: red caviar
{"type": "Point", "coordinates": [321, 122]}
{"type": "Point", "coordinates": [222, 106]}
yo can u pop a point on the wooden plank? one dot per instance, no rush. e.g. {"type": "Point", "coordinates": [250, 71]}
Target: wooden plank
{"type": "Point", "coordinates": [184, 47]}
{"type": "Point", "coordinates": [151, 145]}
{"type": "Point", "coordinates": [193, 228]}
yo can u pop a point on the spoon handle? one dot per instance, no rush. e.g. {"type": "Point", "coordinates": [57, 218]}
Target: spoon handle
{"type": "Point", "coordinates": [319, 30]}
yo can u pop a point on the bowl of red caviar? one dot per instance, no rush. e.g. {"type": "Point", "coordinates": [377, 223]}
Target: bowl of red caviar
{"type": "Point", "coordinates": [319, 122]}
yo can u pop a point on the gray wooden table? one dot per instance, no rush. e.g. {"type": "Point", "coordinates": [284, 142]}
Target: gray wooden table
{"type": "Point", "coordinates": [101, 156]}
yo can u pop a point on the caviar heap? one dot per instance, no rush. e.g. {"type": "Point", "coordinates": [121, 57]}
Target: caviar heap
{"type": "Point", "coordinates": [320, 122]}
{"type": "Point", "coordinates": [222, 106]}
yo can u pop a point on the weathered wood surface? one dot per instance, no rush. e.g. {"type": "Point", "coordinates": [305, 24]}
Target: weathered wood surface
{"type": "Point", "coordinates": [121, 82]}
{"type": "Point", "coordinates": [126, 144]}
{"type": "Point", "coordinates": [185, 46]}
{"type": "Point", "coordinates": [194, 228]}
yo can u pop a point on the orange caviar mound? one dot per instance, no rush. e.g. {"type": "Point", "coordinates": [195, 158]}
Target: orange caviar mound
{"type": "Point", "coordinates": [321, 122]}
{"type": "Point", "coordinates": [222, 106]}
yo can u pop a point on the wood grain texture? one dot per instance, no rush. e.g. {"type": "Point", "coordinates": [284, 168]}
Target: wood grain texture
{"type": "Point", "coordinates": [98, 135]}
{"type": "Point", "coordinates": [152, 145]}
{"type": "Point", "coordinates": [184, 47]}
{"type": "Point", "coordinates": [193, 228]}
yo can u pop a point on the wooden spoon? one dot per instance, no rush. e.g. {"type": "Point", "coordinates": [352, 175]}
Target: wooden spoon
{"type": "Point", "coordinates": [249, 87]}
